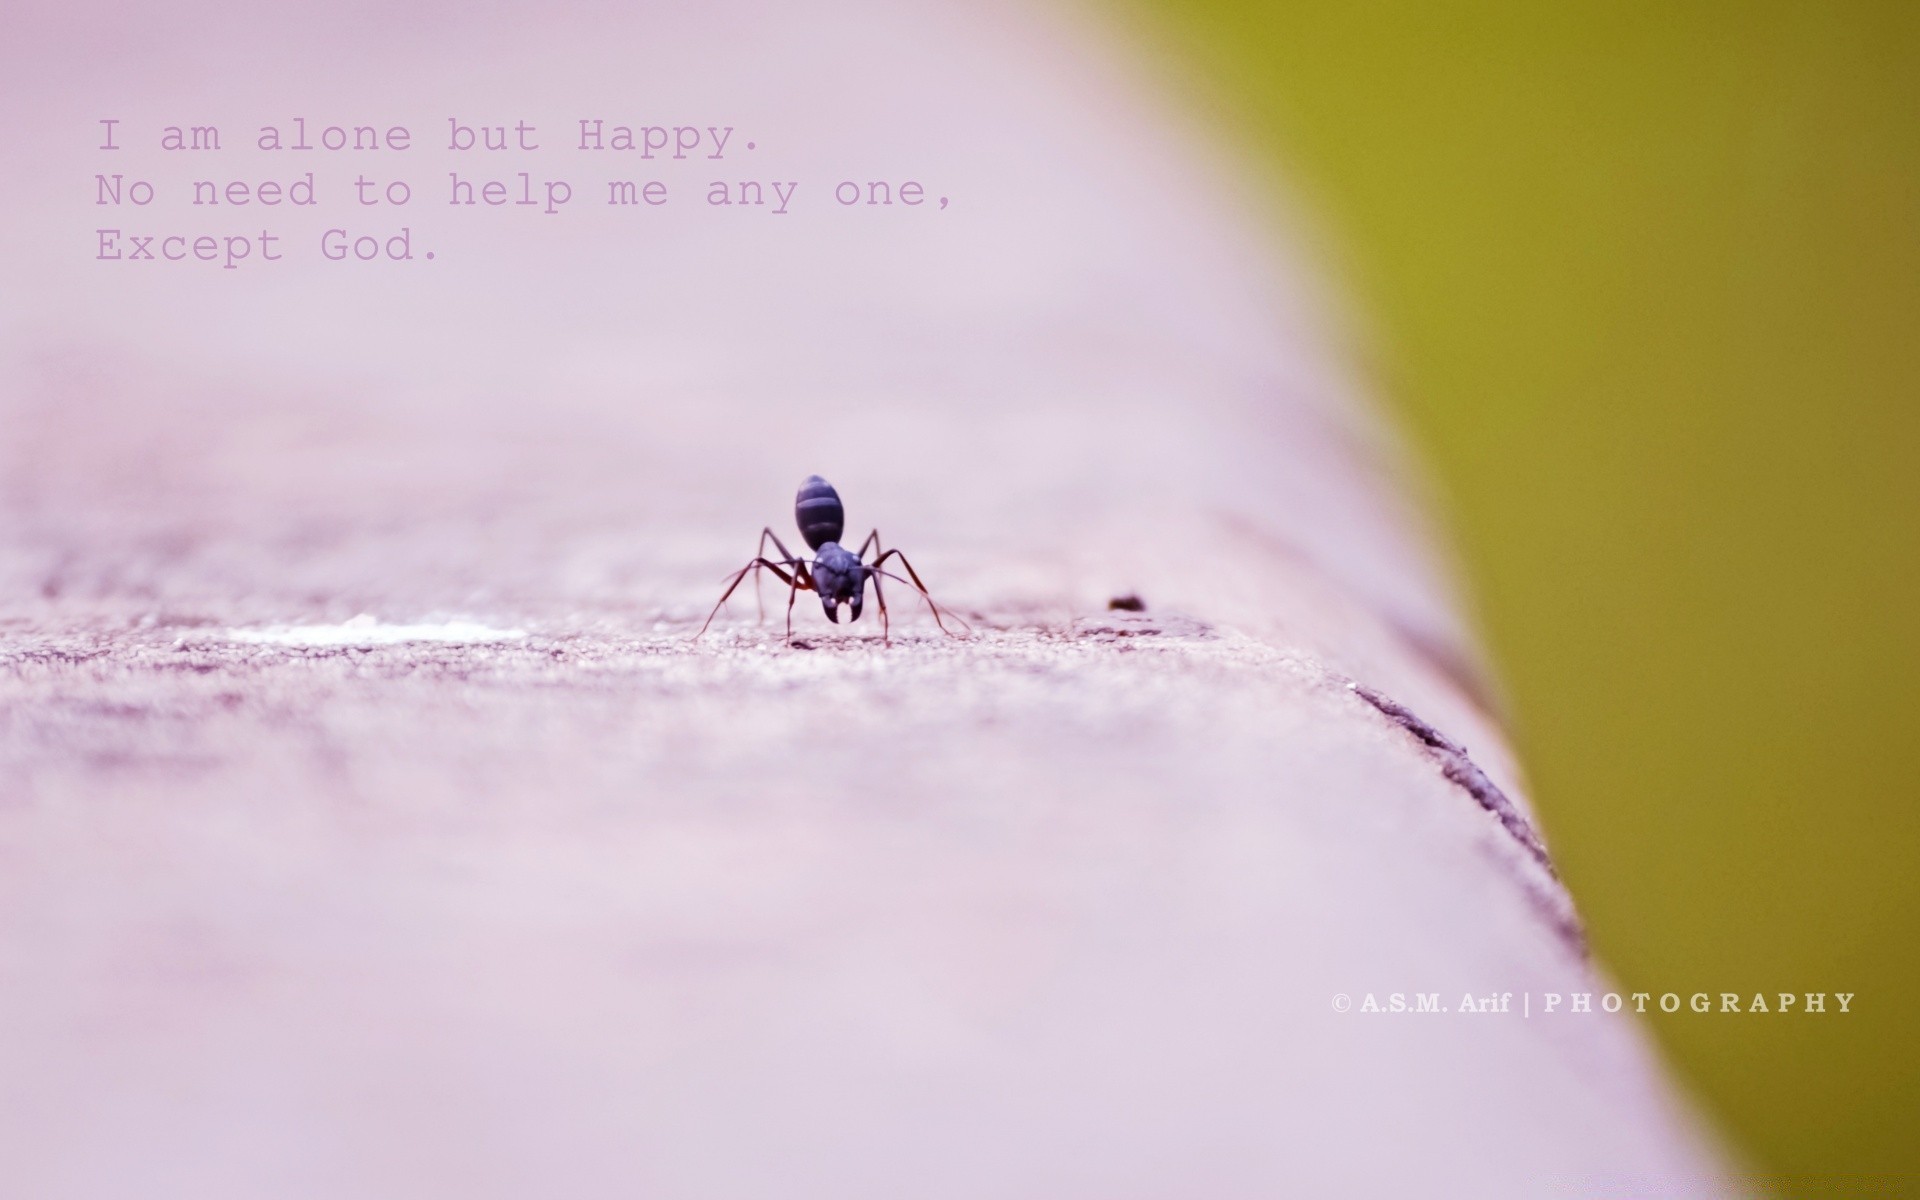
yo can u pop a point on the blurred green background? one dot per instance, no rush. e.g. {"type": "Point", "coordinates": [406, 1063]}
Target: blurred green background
{"type": "Point", "coordinates": [1644, 281]}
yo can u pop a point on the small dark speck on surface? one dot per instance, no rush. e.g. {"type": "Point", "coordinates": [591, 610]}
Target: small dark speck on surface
{"type": "Point", "coordinates": [1131, 602]}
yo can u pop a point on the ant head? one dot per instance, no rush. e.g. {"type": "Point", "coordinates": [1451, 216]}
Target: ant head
{"type": "Point", "coordinates": [818, 512]}
{"type": "Point", "coordinates": [840, 579]}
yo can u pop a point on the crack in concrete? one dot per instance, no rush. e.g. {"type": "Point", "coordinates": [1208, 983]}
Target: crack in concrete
{"type": "Point", "coordinates": [1460, 770]}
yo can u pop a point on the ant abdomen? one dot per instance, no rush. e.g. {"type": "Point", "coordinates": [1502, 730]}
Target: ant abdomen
{"type": "Point", "coordinates": [818, 512]}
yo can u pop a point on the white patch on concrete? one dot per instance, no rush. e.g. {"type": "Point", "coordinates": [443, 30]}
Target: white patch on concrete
{"type": "Point", "coordinates": [365, 630]}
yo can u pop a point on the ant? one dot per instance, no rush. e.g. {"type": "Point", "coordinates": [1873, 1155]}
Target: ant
{"type": "Point", "coordinates": [836, 574]}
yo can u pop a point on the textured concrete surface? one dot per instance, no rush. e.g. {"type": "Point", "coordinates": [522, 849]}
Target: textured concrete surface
{"type": "Point", "coordinates": [580, 906]}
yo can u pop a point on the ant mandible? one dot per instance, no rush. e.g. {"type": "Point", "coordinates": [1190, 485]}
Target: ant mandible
{"type": "Point", "coordinates": [838, 575]}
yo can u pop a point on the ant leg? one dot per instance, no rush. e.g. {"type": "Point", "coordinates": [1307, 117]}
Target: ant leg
{"type": "Point", "coordinates": [918, 586]}
{"type": "Point", "coordinates": [766, 534]}
{"type": "Point", "coordinates": [880, 595]}
{"type": "Point", "coordinates": [756, 564]}
{"type": "Point", "coordinates": [874, 543]}
{"type": "Point", "coordinates": [938, 611]}
{"type": "Point", "coordinates": [799, 580]}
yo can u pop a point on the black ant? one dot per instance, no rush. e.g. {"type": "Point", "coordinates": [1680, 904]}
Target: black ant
{"type": "Point", "coordinates": [836, 574]}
